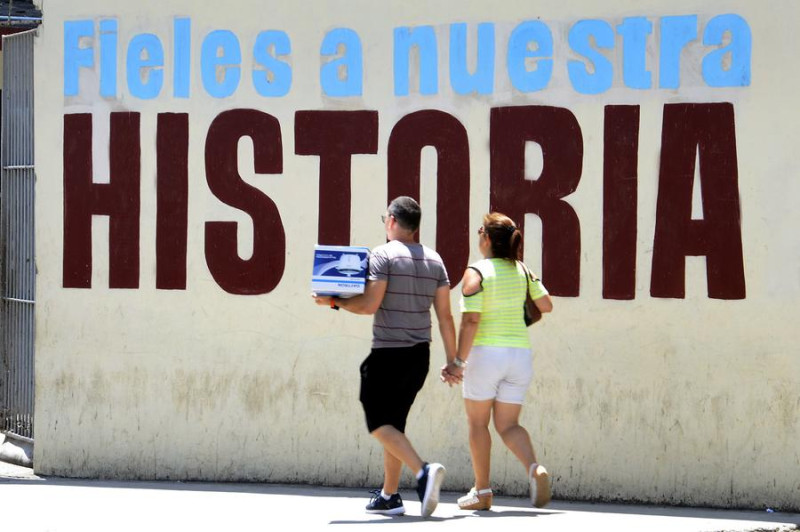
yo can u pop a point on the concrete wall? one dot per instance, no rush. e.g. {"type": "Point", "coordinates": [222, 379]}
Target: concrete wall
{"type": "Point", "coordinates": [176, 338]}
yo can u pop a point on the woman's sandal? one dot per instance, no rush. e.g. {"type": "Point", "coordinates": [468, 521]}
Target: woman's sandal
{"type": "Point", "coordinates": [476, 500]}
{"type": "Point", "coordinates": [539, 480]}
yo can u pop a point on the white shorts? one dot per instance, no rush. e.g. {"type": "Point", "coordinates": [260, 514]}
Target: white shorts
{"type": "Point", "coordinates": [500, 373]}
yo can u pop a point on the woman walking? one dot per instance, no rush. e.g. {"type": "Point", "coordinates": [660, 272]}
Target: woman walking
{"type": "Point", "coordinates": [494, 356]}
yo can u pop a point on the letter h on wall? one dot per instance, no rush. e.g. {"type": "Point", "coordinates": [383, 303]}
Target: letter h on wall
{"type": "Point", "coordinates": [119, 200]}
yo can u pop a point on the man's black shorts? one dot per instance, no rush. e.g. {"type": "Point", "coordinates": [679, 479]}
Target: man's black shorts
{"type": "Point", "coordinates": [390, 380]}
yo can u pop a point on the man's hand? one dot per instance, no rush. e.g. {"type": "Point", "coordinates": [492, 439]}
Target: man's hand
{"type": "Point", "coordinates": [324, 301]}
{"type": "Point", "coordinates": [450, 374]}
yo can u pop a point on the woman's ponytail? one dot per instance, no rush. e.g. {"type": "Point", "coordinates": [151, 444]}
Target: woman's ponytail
{"type": "Point", "coordinates": [504, 236]}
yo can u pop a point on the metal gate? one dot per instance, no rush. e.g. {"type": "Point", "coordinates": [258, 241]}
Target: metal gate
{"type": "Point", "coordinates": [17, 266]}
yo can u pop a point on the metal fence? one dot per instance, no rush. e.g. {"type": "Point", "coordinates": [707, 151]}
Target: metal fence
{"type": "Point", "coordinates": [17, 266]}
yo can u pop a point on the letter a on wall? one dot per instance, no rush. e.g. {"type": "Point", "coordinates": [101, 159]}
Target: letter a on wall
{"type": "Point", "coordinates": [707, 130]}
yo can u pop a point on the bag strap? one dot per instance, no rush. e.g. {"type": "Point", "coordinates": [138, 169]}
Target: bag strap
{"type": "Point", "coordinates": [528, 278]}
{"type": "Point", "coordinates": [532, 277]}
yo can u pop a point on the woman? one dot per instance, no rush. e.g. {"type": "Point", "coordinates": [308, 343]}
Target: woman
{"type": "Point", "coordinates": [494, 356]}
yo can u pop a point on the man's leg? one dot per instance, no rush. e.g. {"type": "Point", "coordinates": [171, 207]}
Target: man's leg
{"type": "Point", "coordinates": [388, 409]}
{"type": "Point", "coordinates": [388, 502]}
{"type": "Point", "coordinates": [398, 387]}
{"type": "Point", "coordinates": [392, 468]}
{"type": "Point", "coordinates": [397, 450]}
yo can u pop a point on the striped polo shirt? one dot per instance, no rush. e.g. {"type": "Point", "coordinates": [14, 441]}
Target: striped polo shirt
{"type": "Point", "coordinates": [413, 273]}
{"type": "Point", "coordinates": [500, 302]}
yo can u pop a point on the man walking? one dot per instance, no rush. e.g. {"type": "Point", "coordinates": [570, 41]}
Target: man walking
{"type": "Point", "coordinates": [403, 280]}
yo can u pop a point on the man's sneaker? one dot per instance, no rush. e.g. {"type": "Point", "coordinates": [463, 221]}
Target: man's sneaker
{"type": "Point", "coordinates": [379, 505]}
{"type": "Point", "coordinates": [428, 487]}
{"type": "Point", "coordinates": [539, 480]}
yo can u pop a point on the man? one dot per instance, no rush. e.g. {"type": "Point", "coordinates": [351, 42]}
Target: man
{"type": "Point", "coordinates": [403, 280]}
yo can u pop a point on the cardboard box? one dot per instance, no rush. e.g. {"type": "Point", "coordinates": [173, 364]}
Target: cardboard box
{"type": "Point", "coordinates": [339, 271]}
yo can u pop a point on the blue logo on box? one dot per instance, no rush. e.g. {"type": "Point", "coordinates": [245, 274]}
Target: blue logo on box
{"type": "Point", "coordinates": [347, 264]}
{"type": "Point", "coordinates": [339, 270]}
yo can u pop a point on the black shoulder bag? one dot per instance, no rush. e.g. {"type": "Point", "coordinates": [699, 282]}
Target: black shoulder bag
{"type": "Point", "coordinates": [532, 312]}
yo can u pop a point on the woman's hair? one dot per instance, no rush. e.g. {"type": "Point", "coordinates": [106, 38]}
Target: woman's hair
{"type": "Point", "coordinates": [505, 238]}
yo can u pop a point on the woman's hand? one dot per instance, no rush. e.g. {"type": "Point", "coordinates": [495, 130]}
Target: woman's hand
{"type": "Point", "coordinates": [451, 374]}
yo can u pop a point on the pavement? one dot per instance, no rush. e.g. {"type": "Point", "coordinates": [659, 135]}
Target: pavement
{"type": "Point", "coordinates": [32, 503]}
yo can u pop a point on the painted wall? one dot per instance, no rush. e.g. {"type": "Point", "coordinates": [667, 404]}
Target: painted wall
{"type": "Point", "coordinates": [190, 157]}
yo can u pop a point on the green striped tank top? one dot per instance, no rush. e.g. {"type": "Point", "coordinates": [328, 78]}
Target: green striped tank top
{"type": "Point", "coordinates": [500, 302]}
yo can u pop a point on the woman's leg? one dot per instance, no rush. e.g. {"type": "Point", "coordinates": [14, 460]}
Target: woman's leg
{"type": "Point", "coordinates": [506, 420]}
{"type": "Point", "coordinates": [516, 438]}
{"type": "Point", "coordinates": [480, 441]}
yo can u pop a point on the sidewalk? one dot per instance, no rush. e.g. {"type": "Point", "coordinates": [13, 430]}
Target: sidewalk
{"type": "Point", "coordinates": [36, 504]}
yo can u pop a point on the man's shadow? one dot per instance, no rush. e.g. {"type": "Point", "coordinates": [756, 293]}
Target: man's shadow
{"type": "Point", "coordinates": [475, 514]}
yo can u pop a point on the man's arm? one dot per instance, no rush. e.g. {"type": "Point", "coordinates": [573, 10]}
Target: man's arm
{"type": "Point", "coordinates": [447, 327]}
{"type": "Point", "coordinates": [367, 303]}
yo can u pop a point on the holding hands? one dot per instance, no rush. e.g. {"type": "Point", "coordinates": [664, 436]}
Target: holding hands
{"type": "Point", "coordinates": [452, 372]}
